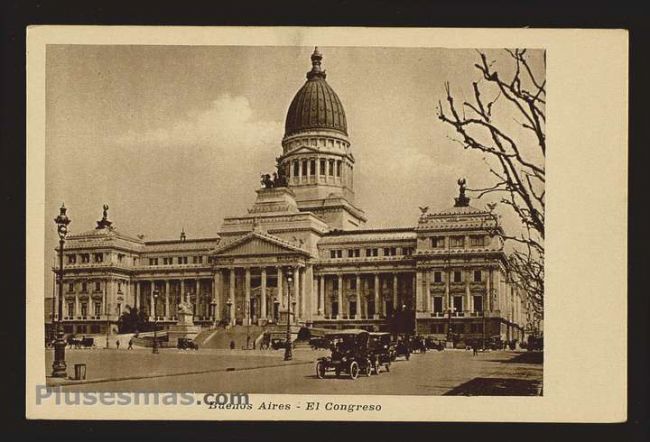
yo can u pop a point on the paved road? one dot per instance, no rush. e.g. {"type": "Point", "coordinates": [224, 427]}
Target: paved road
{"type": "Point", "coordinates": [433, 373]}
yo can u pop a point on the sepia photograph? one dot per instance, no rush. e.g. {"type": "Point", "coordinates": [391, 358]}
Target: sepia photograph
{"type": "Point", "coordinates": [295, 220]}
{"type": "Point", "coordinates": [302, 228]}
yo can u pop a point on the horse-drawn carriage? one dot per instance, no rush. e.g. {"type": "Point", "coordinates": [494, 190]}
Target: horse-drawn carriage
{"type": "Point", "coordinates": [350, 354]}
{"type": "Point", "coordinates": [434, 344]}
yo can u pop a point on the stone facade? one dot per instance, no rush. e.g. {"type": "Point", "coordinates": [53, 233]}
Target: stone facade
{"type": "Point", "coordinates": [302, 248]}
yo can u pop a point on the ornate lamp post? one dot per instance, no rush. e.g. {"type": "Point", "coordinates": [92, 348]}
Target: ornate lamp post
{"type": "Point", "coordinates": [59, 367]}
{"type": "Point", "coordinates": [287, 348]}
{"type": "Point", "coordinates": [155, 323]}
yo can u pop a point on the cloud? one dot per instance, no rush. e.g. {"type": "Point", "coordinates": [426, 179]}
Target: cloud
{"type": "Point", "coordinates": [228, 122]}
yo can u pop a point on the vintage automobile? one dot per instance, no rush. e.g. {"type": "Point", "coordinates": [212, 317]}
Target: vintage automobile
{"type": "Point", "coordinates": [381, 351]}
{"type": "Point", "coordinates": [187, 344]}
{"type": "Point", "coordinates": [402, 348]}
{"type": "Point", "coordinates": [84, 342]}
{"type": "Point", "coordinates": [350, 354]}
{"type": "Point", "coordinates": [435, 344]}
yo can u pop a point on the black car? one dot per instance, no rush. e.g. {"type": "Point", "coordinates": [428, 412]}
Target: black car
{"type": "Point", "coordinates": [381, 351]}
{"type": "Point", "coordinates": [350, 354]}
{"type": "Point", "coordinates": [402, 348]}
{"type": "Point", "coordinates": [187, 344]}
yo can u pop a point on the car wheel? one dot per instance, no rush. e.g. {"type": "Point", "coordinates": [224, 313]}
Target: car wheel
{"type": "Point", "coordinates": [354, 370]}
{"type": "Point", "coordinates": [320, 370]}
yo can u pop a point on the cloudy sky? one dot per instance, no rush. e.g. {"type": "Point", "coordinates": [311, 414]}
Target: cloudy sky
{"type": "Point", "coordinates": [177, 136]}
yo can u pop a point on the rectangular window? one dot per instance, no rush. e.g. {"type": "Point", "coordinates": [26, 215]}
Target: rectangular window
{"type": "Point", "coordinates": [350, 253]}
{"type": "Point", "coordinates": [477, 276]}
{"type": "Point", "coordinates": [408, 251]}
{"type": "Point", "coordinates": [98, 286]}
{"type": "Point", "coordinates": [478, 303]}
{"type": "Point", "coordinates": [457, 241]}
{"type": "Point", "coordinates": [153, 261]}
{"type": "Point", "coordinates": [322, 167]}
{"type": "Point", "coordinates": [71, 287]}
{"type": "Point", "coordinates": [357, 253]}
{"type": "Point", "coordinates": [72, 259]}
{"type": "Point", "coordinates": [182, 259]}
{"type": "Point", "coordinates": [197, 259]}
{"type": "Point", "coordinates": [296, 168]}
{"type": "Point", "coordinates": [85, 258]}
{"type": "Point", "coordinates": [477, 241]}
{"type": "Point", "coordinates": [458, 304]}
{"type": "Point", "coordinates": [84, 287]}
{"type": "Point", "coordinates": [119, 286]}
{"type": "Point", "coordinates": [338, 168]}
{"type": "Point", "coordinates": [353, 284]}
{"type": "Point", "coordinates": [339, 253]}
{"type": "Point", "coordinates": [437, 242]}
{"type": "Point", "coordinates": [70, 309]}
{"type": "Point", "coordinates": [437, 276]}
{"type": "Point", "coordinates": [458, 276]}
{"type": "Point", "coordinates": [312, 167]}
{"type": "Point", "coordinates": [304, 167]}
{"type": "Point", "coordinates": [331, 171]}
{"type": "Point", "coordinates": [98, 309]}
{"type": "Point", "coordinates": [332, 254]}
{"type": "Point", "coordinates": [120, 257]}
{"type": "Point", "coordinates": [437, 304]}
{"type": "Point", "coordinates": [84, 309]}
{"type": "Point", "coordinates": [99, 257]}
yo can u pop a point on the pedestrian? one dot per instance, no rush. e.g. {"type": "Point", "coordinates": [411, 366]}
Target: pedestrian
{"type": "Point", "coordinates": [475, 350]}
{"type": "Point", "coordinates": [232, 345]}
{"type": "Point", "coordinates": [130, 344]}
{"type": "Point", "coordinates": [117, 344]}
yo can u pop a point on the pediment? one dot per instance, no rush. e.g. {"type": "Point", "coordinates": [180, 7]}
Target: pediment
{"type": "Point", "coordinates": [256, 244]}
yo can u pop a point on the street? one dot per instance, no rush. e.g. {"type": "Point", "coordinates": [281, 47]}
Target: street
{"type": "Point", "coordinates": [433, 373]}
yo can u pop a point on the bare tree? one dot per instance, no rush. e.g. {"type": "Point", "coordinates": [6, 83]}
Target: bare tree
{"type": "Point", "coordinates": [517, 152]}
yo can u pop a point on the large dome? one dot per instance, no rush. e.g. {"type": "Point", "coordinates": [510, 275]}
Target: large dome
{"type": "Point", "coordinates": [316, 105]}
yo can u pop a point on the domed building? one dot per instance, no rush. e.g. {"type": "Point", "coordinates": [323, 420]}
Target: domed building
{"type": "Point", "coordinates": [301, 252]}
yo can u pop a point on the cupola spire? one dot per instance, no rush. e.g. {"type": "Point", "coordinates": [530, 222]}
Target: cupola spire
{"type": "Point", "coordinates": [316, 71]}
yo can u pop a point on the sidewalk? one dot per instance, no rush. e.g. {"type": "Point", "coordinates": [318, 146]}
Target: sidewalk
{"type": "Point", "coordinates": [104, 365]}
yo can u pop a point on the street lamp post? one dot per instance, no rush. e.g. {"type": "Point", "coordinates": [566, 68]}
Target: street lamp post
{"type": "Point", "coordinates": [287, 348]}
{"type": "Point", "coordinates": [155, 323]}
{"type": "Point", "coordinates": [59, 367]}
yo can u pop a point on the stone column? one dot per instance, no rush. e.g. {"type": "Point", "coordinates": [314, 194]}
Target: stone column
{"type": "Point", "coordinates": [167, 298]}
{"type": "Point", "coordinates": [104, 300]}
{"type": "Point", "coordinates": [447, 291]}
{"type": "Point", "coordinates": [358, 297]}
{"type": "Point", "coordinates": [197, 300]}
{"type": "Point", "coordinates": [152, 304]}
{"type": "Point", "coordinates": [231, 297]}
{"type": "Point", "coordinates": [303, 292]}
{"type": "Point", "coordinates": [468, 296]}
{"type": "Point", "coordinates": [263, 297]}
{"type": "Point", "coordinates": [377, 299]}
{"type": "Point", "coordinates": [340, 296]}
{"type": "Point", "coordinates": [487, 300]}
{"type": "Point", "coordinates": [247, 296]}
{"type": "Point", "coordinates": [137, 294]}
{"type": "Point", "coordinates": [395, 300]}
{"type": "Point", "coordinates": [296, 291]}
{"type": "Point", "coordinates": [427, 290]}
{"type": "Point", "coordinates": [182, 297]}
{"type": "Point", "coordinates": [321, 295]}
{"type": "Point", "coordinates": [280, 288]}
{"type": "Point", "coordinates": [419, 305]}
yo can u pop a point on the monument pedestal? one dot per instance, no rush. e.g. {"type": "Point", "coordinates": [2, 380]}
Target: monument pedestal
{"type": "Point", "coordinates": [185, 327]}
